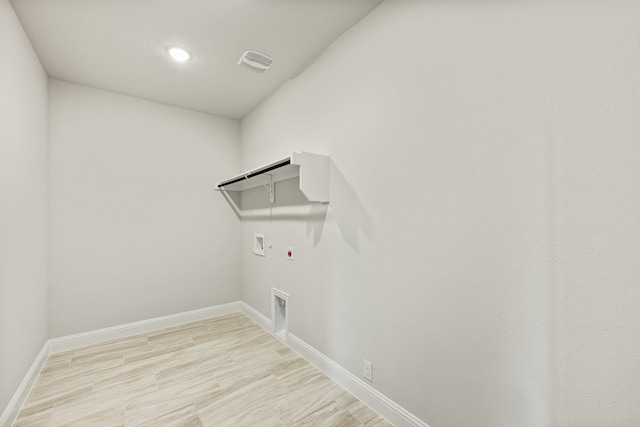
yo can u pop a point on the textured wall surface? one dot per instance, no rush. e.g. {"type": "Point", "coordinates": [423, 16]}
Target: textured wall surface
{"type": "Point", "coordinates": [23, 205]}
{"type": "Point", "coordinates": [481, 245]}
{"type": "Point", "coordinates": [137, 230]}
{"type": "Point", "coordinates": [594, 61]}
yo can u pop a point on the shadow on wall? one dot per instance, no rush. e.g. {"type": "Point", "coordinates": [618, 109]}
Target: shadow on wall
{"type": "Point", "coordinates": [233, 199]}
{"type": "Point", "coordinates": [352, 218]}
{"type": "Point", "coordinates": [290, 205]}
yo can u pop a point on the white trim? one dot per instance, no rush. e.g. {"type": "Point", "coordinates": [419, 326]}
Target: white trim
{"type": "Point", "coordinates": [384, 406]}
{"type": "Point", "coordinates": [70, 342]}
{"type": "Point", "coordinates": [380, 403]}
{"type": "Point", "coordinates": [20, 396]}
{"type": "Point", "coordinates": [121, 331]}
{"type": "Point", "coordinates": [257, 317]}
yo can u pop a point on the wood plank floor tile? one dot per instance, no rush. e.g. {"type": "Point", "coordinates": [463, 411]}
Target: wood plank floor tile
{"type": "Point", "coordinates": [224, 371]}
{"type": "Point", "coordinates": [146, 408]}
{"type": "Point", "coordinates": [37, 419]}
{"type": "Point", "coordinates": [329, 414]}
{"type": "Point", "coordinates": [93, 413]}
{"type": "Point", "coordinates": [241, 416]}
{"type": "Point", "coordinates": [186, 416]}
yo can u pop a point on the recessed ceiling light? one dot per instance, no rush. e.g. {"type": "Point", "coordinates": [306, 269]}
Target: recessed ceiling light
{"type": "Point", "coordinates": [178, 54]}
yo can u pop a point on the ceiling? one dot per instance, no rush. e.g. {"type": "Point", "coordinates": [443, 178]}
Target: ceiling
{"type": "Point", "coordinates": [120, 45]}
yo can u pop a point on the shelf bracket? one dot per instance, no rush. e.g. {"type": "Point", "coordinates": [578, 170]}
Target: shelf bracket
{"type": "Point", "coordinates": [270, 186]}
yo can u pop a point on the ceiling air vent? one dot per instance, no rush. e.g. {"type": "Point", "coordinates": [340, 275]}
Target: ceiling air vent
{"type": "Point", "coordinates": [255, 61]}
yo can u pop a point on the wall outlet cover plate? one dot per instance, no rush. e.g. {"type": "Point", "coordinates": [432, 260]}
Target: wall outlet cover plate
{"type": "Point", "coordinates": [367, 370]}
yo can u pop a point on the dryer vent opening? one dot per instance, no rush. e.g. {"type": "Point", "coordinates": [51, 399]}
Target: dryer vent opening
{"type": "Point", "coordinates": [279, 314]}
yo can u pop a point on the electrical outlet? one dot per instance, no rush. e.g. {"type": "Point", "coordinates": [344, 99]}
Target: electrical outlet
{"type": "Point", "coordinates": [367, 370]}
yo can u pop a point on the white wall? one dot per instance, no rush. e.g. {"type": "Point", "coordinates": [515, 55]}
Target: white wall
{"type": "Point", "coordinates": [595, 99]}
{"type": "Point", "coordinates": [481, 245]}
{"type": "Point", "coordinates": [137, 230]}
{"type": "Point", "coordinates": [23, 205]}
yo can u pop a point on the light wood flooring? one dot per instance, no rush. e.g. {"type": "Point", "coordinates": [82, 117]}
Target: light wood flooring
{"type": "Point", "coordinates": [224, 371]}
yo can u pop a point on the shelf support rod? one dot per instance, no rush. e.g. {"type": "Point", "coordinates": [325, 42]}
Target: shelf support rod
{"type": "Point", "coordinates": [270, 188]}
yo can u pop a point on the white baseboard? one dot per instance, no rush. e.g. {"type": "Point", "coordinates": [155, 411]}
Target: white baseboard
{"type": "Point", "coordinates": [70, 342]}
{"type": "Point", "coordinates": [380, 403]}
{"type": "Point", "coordinates": [257, 317]}
{"type": "Point", "coordinates": [384, 406]}
{"type": "Point", "coordinates": [20, 396]}
{"type": "Point", "coordinates": [57, 345]}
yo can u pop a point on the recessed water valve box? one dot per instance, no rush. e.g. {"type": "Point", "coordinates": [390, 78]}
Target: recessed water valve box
{"type": "Point", "coordinates": [259, 244]}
